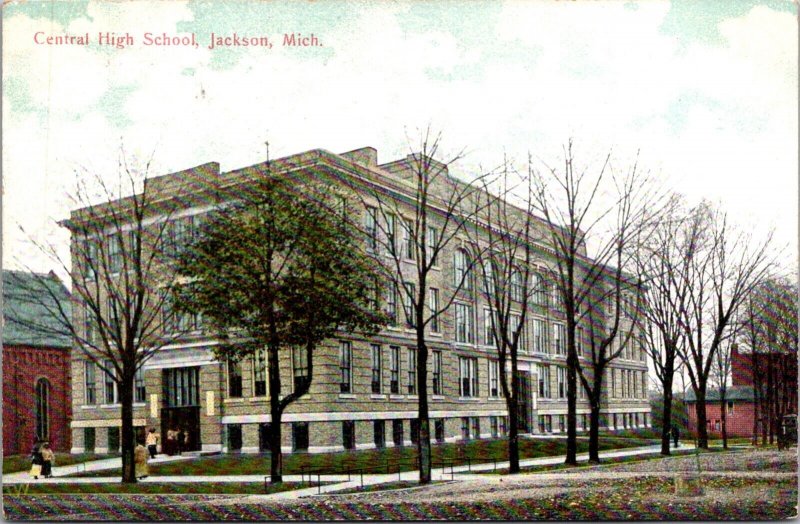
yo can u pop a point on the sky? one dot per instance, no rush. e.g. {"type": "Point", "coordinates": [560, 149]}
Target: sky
{"type": "Point", "coordinates": [706, 92]}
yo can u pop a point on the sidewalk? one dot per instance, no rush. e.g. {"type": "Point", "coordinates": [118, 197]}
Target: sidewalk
{"type": "Point", "coordinates": [331, 483]}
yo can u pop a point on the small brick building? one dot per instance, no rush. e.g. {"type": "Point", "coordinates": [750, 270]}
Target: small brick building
{"type": "Point", "coordinates": [740, 411]}
{"type": "Point", "coordinates": [36, 365]}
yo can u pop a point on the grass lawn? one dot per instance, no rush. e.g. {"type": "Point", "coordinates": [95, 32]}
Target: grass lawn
{"type": "Point", "coordinates": [604, 462]}
{"type": "Point", "coordinates": [158, 488]}
{"type": "Point", "coordinates": [14, 463]}
{"type": "Point", "coordinates": [376, 461]}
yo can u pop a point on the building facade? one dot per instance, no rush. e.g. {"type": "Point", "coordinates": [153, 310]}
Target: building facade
{"type": "Point", "coordinates": [37, 401]}
{"type": "Point", "coordinates": [363, 393]}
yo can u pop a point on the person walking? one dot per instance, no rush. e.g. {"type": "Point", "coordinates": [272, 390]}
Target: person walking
{"type": "Point", "coordinates": [676, 434]}
{"type": "Point", "coordinates": [48, 459]}
{"type": "Point", "coordinates": [181, 439]}
{"type": "Point", "coordinates": [170, 443]}
{"type": "Point", "coordinates": [140, 461]}
{"type": "Point", "coordinates": [36, 460]}
{"type": "Point", "coordinates": [152, 442]}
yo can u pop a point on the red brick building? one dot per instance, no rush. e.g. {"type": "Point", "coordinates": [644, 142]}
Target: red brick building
{"type": "Point", "coordinates": [36, 365]}
{"type": "Point", "coordinates": [740, 397]}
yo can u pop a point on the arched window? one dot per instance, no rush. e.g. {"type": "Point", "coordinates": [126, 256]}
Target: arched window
{"type": "Point", "coordinates": [42, 409]}
{"type": "Point", "coordinates": [488, 275]}
{"type": "Point", "coordinates": [461, 273]}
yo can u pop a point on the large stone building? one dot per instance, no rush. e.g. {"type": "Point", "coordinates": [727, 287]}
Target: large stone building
{"type": "Point", "coordinates": [363, 390]}
{"type": "Point", "coordinates": [36, 363]}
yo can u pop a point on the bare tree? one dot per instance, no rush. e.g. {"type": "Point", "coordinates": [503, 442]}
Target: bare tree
{"type": "Point", "coordinates": [721, 374]}
{"type": "Point", "coordinates": [508, 285]}
{"type": "Point", "coordinates": [433, 211]}
{"type": "Point", "coordinates": [658, 260]}
{"type": "Point", "coordinates": [721, 268]}
{"type": "Point", "coordinates": [118, 285]}
{"type": "Point", "coordinates": [607, 207]}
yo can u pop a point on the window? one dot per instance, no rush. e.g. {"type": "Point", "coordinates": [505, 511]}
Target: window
{"type": "Point", "coordinates": [494, 378]}
{"type": "Point", "coordinates": [562, 423]}
{"type": "Point", "coordinates": [489, 323]}
{"type": "Point", "coordinates": [234, 378]}
{"type": "Point", "coordinates": [488, 277]}
{"type": "Point", "coordinates": [414, 430]}
{"type": "Point", "coordinates": [408, 304]}
{"type": "Point", "coordinates": [412, 371]}
{"type": "Point", "coordinates": [539, 290]}
{"type": "Point", "coordinates": [464, 323]}
{"type": "Point", "coordinates": [391, 304]}
{"type": "Point", "coordinates": [345, 367]}
{"type": "Point", "coordinates": [88, 440]}
{"type": "Point", "coordinates": [522, 342]}
{"type": "Point", "coordinates": [260, 373]}
{"type": "Point", "coordinates": [42, 409]}
{"type": "Point", "coordinates": [437, 373]}
{"type": "Point", "coordinates": [465, 428]}
{"type": "Point", "coordinates": [432, 239]}
{"type": "Point", "coordinates": [89, 379]}
{"type": "Point", "coordinates": [544, 381]}
{"type": "Point", "coordinates": [438, 430]}
{"type": "Point", "coordinates": [539, 336]}
{"type": "Point", "coordinates": [376, 368]}
{"type": "Point", "coordinates": [433, 297]}
{"type": "Point", "coordinates": [115, 253]}
{"type": "Point", "coordinates": [476, 427]}
{"type": "Point", "coordinates": [111, 394]}
{"type": "Point", "coordinates": [559, 339]}
{"type": "Point", "coordinates": [181, 386]}
{"type": "Point", "coordinates": [517, 286]}
{"type": "Point", "coordinates": [234, 437]}
{"type": "Point", "coordinates": [379, 433]}
{"type": "Point", "coordinates": [494, 427]}
{"type": "Point", "coordinates": [461, 274]}
{"type": "Point", "coordinates": [371, 228]}
{"type": "Point", "coordinates": [89, 325]}
{"type": "Point", "coordinates": [299, 367]}
{"type": "Point", "coordinates": [90, 260]}
{"type": "Point", "coordinates": [394, 370]}
{"type": "Point", "coordinates": [373, 296]}
{"type": "Point", "coordinates": [630, 383]}
{"type": "Point", "coordinates": [391, 233]}
{"type": "Point", "coordinates": [112, 439]}
{"type": "Point", "coordinates": [408, 240]}
{"type": "Point", "coordinates": [468, 376]}
{"type": "Point", "coordinates": [561, 379]}
{"type": "Point", "coordinates": [299, 436]}
{"type": "Point", "coordinates": [503, 425]}
{"type": "Point", "coordinates": [397, 432]}
{"type": "Point", "coordinates": [580, 341]}
{"type": "Point", "coordinates": [584, 422]}
{"type": "Point", "coordinates": [349, 434]}
{"type": "Point", "coordinates": [113, 317]}
{"type": "Point", "coordinates": [139, 392]}
{"type": "Point", "coordinates": [541, 424]}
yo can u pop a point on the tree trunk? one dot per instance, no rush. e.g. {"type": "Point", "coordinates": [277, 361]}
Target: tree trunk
{"type": "Point", "coordinates": [594, 430]}
{"type": "Point", "coordinates": [756, 397]}
{"type": "Point", "coordinates": [513, 432]}
{"type": "Point", "coordinates": [127, 437]}
{"type": "Point", "coordinates": [722, 418]}
{"type": "Point", "coordinates": [700, 410]}
{"type": "Point", "coordinates": [276, 456]}
{"type": "Point", "coordinates": [572, 394]}
{"type": "Point", "coordinates": [666, 418]}
{"type": "Point", "coordinates": [424, 437]}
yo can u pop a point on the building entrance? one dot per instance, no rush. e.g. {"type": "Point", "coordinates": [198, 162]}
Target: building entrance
{"type": "Point", "coordinates": [180, 416]}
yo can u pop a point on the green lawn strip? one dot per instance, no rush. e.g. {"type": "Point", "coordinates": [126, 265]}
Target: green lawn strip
{"type": "Point", "coordinates": [15, 463]}
{"type": "Point", "coordinates": [372, 461]}
{"type": "Point", "coordinates": [386, 486]}
{"type": "Point", "coordinates": [604, 462]}
{"type": "Point", "coordinates": [158, 488]}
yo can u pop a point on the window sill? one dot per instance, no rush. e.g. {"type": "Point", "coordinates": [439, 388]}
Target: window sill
{"type": "Point", "coordinates": [377, 396]}
{"type": "Point", "coordinates": [437, 397]}
{"type": "Point", "coordinates": [235, 400]}
{"type": "Point", "coordinates": [437, 334]}
{"type": "Point", "coordinates": [106, 406]}
{"type": "Point", "coordinates": [350, 396]}
{"type": "Point", "coordinates": [412, 397]}
{"type": "Point", "coordinates": [255, 399]}
{"type": "Point", "coordinates": [469, 399]}
{"type": "Point", "coordinates": [397, 397]}
{"type": "Point", "coordinates": [89, 406]}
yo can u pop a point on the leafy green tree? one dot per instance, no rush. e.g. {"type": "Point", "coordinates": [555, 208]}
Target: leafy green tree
{"type": "Point", "coordinates": [282, 269]}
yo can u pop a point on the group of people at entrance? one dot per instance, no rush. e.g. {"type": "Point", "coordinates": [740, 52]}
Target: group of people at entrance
{"type": "Point", "coordinates": [177, 442]}
{"type": "Point", "coordinates": [42, 460]}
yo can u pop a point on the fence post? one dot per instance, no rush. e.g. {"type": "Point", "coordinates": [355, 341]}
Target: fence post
{"type": "Point", "coordinates": [319, 484]}
{"type": "Point", "coordinates": [362, 477]}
